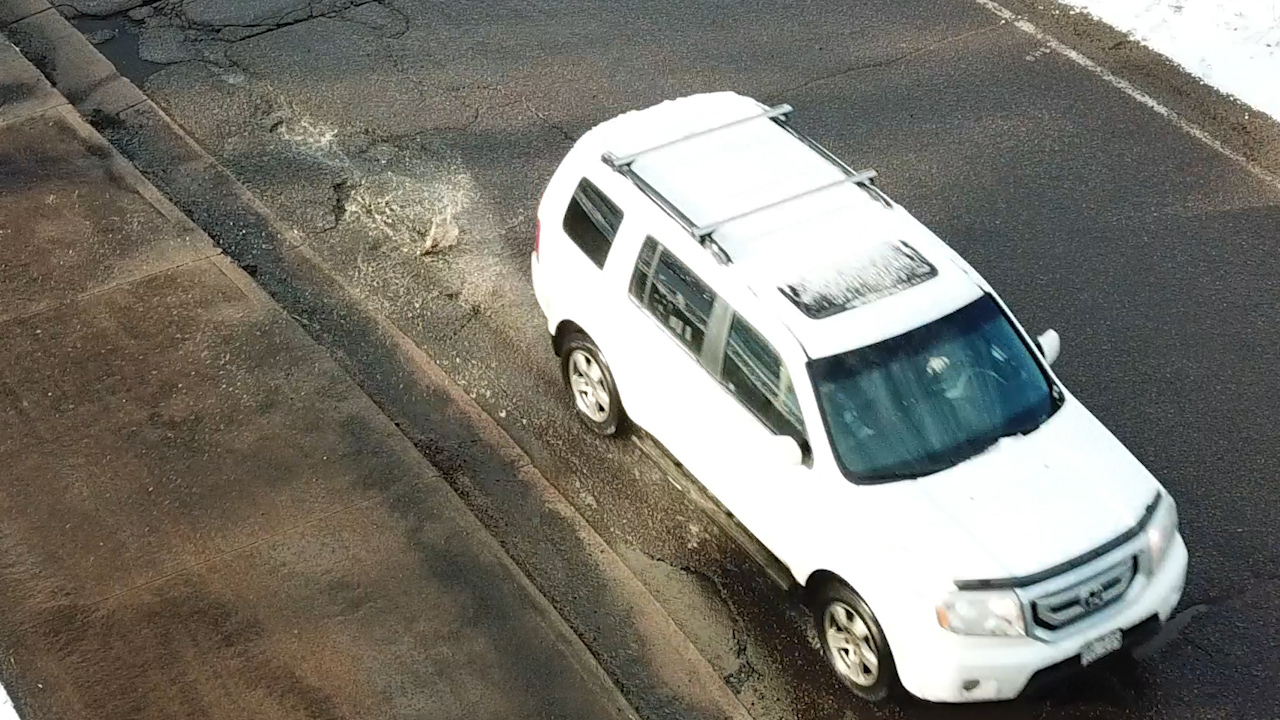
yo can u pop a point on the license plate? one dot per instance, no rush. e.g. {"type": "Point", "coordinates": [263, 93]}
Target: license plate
{"type": "Point", "coordinates": [1100, 647]}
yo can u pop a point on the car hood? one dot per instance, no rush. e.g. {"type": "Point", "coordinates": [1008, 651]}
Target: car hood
{"type": "Point", "coordinates": [1031, 502]}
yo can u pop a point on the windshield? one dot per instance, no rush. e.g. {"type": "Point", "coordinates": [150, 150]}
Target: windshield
{"type": "Point", "coordinates": [930, 398]}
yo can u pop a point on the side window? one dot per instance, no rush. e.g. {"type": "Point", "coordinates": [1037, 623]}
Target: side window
{"type": "Point", "coordinates": [666, 288]}
{"type": "Point", "coordinates": [756, 376]}
{"type": "Point", "coordinates": [592, 221]}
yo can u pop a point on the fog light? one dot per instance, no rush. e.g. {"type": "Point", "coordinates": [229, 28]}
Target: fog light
{"type": "Point", "coordinates": [980, 689]}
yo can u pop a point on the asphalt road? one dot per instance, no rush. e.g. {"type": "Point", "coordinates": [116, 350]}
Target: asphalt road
{"type": "Point", "coordinates": [409, 142]}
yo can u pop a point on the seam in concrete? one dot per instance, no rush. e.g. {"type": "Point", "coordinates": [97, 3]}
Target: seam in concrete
{"type": "Point", "coordinates": [66, 57]}
{"type": "Point", "coordinates": [33, 8]}
{"type": "Point", "coordinates": [34, 112]}
{"type": "Point", "coordinates": [252, 290]}
{"type": "Point", "coordinates": [45, 307]}
{"type": "Point", "coordinates": [891, 60]}
{"type": "Point", "coordinates": [131, 106]}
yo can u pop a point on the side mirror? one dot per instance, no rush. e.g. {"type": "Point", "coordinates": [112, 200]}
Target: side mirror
{"type": "Point", "coordinates": [1050, 345]}
{"type": "Point", "coordinates": [782, 450]}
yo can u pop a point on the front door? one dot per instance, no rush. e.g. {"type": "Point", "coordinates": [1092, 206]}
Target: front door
{"type": "Point", "coordinates": [754, 402]}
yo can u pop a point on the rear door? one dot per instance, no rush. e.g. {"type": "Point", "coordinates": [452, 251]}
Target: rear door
{"type": "Point", "coordinates": [671, 313]}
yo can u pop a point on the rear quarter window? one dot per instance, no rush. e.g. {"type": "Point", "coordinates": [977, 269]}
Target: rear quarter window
{"type": "Point", "coordinates": [591, 221]}
{"type": "Point", "coordinates": [669, 291]}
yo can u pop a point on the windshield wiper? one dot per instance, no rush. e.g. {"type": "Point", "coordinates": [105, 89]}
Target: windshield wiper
{"type": "Point", "coordinates": [952, 458]}
{"type": "Point", "coordinates": [1020, 431]}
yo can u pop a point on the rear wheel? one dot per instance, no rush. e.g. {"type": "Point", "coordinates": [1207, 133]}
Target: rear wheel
{"type": "Point", "coordinates": [853, 642]}
{"type": "Point", "coordinates": [590, 383]}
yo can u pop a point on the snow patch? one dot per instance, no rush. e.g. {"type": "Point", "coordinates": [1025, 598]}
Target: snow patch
{"type": "Point", "coordinates": [867, 274]}
{"type": "Point", "coordinates": [6, 706]}
{"type": "Point", "coordinates": [1233, 45]}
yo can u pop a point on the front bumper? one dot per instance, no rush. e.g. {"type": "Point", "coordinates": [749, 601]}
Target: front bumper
{"type": "Point", "coordinates": [957, 669]}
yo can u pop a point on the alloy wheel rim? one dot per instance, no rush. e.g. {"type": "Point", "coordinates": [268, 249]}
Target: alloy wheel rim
{"type": "Point", "coordinates": [586, 380]}
{"type": "Point", "coordinates": [852, 648]}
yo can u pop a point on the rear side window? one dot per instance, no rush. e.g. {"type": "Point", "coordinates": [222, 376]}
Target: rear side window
{"type": "Point", "coordinates": [592, 221]}
{"type": "Point", "coordinates": [672, 294]}
{"type": "Point", "coordinates": [755, 375]}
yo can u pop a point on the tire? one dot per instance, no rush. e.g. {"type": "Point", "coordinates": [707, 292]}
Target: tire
{"type": "Point", "coordinates": [837, 604]}
{"type": "Point", "coordinates": [590, 385]}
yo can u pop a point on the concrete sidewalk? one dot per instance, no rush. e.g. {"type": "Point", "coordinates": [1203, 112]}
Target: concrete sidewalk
{"type": "Point", "coordinates": [203, 516]}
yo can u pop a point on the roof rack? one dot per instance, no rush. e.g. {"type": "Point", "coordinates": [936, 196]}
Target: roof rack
{"type": "Point", "coordinates": [865, 178]}
{"type": "Point", "coordinates": [859, 177]}
{"type": "Point", "coordinates": [779, 114]}
{"type": "Point", "coordinates": [777, 111]}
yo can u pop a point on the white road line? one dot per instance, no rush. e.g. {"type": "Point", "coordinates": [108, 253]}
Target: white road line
{"type": "Point", "coordinates": [1128, 89]}
{"type": "Point", "coordinates": [6, 707]}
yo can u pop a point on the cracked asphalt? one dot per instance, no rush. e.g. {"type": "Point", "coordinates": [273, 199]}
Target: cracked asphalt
{"type": "Point", "coordinates": [408, 141]}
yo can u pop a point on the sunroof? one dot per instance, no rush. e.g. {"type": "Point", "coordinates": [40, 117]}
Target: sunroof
{"type": "Point", "coordinates": [883, 270]}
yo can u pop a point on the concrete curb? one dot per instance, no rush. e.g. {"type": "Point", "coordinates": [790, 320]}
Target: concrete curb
{"type": "Point", "coordinates": [90, 82]}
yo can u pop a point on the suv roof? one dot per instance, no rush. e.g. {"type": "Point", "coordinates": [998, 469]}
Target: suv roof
{"type": "Point", "coordinates": [816, 242]}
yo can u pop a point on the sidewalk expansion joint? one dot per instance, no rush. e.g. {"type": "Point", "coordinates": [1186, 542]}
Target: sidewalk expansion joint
{"type": "Point", "coordinates": [28, 16]}
{"type": "Point", "coordinates": [214, 252]}
{"type": "Point", "coordinates": [36, 112]}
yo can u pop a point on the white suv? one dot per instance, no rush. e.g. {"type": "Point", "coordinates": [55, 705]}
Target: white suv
{"type": "Point", "coordinates": [856, 395]}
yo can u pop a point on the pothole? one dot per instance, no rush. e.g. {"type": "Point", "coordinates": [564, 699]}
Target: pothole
{"type": "Point", "coordinates": [118, 39]}
{"type": "Point", "coordinates": [413, 204]}
{"type": "Point", "coordinates": [693, 601]}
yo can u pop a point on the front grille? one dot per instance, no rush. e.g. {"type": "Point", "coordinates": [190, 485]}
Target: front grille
{"type": "Point", "coordinates": [1060, 609]}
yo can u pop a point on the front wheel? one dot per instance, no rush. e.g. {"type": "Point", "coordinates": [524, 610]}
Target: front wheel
{"type": "Point", "coordinates": [591, 385]}
{"type": "Point", "coordinates": [854, 643]}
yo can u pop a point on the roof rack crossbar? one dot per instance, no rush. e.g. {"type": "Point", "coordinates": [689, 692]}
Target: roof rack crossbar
{"type": "Point", "coordinates": [843, 167]}
{"type": "Point", "coordinates": [661, 200]}
{"type": "Point", "coordinates": [776, 111]}
{"type": "Point", "coordinates": [674, 212]}
{"type": "Point", "coordinates": [859, 177]}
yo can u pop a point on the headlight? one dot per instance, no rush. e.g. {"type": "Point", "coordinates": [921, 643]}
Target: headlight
{"type": "Point", "coordinates": [1161, 529]}
{"type": "Point", "coordinates": [998, 612]}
